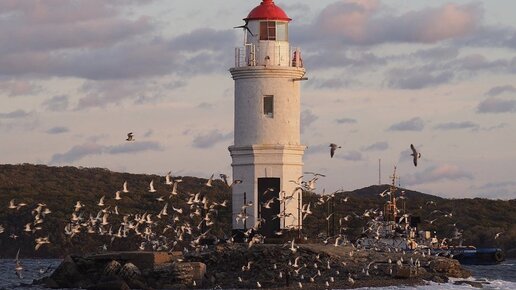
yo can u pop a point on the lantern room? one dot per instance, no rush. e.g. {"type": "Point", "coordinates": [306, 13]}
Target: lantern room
{"type": "Point", "coordinates": [266, 38]}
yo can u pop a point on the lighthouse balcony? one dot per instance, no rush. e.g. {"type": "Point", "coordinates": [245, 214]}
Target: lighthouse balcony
{"type": "Point", "coordinates": [270, 54]}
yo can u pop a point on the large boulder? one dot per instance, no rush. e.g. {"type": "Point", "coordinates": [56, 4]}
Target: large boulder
{"type": "Point", "coordinates": [448, 267]}
{"type": "Point", "coordinates": [67, 275]}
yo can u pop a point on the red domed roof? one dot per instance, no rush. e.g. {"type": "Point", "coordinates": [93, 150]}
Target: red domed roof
{"type": "Point", "coordinates": [267, 10]}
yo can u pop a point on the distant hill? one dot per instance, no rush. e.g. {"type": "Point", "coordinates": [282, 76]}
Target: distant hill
{"type": "Point", "coordinates": [61, 187]}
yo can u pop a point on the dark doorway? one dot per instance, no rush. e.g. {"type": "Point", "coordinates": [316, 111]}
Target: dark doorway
{"type": "Point", "coordinates": [268, 188]}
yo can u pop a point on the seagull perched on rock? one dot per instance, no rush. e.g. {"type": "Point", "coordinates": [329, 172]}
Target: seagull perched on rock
{"type": "Point", "coordinates": [130, 137]}
{"type": "Point", "coordinates": [416, 155]}
{"type": "Point", "coordinates": [333, 147]}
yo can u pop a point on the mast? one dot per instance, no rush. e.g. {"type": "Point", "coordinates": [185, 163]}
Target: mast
{"type": "Point", "coordinates": [391, 210]}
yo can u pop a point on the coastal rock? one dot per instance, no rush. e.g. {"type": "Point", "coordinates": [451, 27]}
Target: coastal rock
{"type": "Point", "coordinates": [473, 284]}
{"type": "Point", "coordinates": [67, 275]}
{"type": "Point", "coordinates": [130, 271]}
{"type": "Point", "coordinates": [112, 268]}
{"type": "Point", "coordinates": [448, 267]}
{"type": "Point", "coordinates": [314, 266]}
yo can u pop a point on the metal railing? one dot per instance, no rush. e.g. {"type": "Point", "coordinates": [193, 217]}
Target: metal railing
{"type": "Point", "coordinates": [268, 55]}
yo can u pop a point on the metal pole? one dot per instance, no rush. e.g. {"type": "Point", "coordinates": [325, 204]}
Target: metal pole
{"type": "Point", "coordinates": [328, 220]}
{"type": "Point", "coordinates": [283, 209]}
{"type": "Point", "coordinates": [333, 217]}
{"type": "Point", "coordinates": [245, 211]}
{"type": "Point", "coordinates": [380, 171]}
{"type": "Point", "coordinates": [299, 214]}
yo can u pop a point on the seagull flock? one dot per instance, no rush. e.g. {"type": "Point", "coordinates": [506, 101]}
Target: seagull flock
{"type": "Point", "coordinates": [172, 226]}
{"type": "Point", "coordinates": [182, 226]}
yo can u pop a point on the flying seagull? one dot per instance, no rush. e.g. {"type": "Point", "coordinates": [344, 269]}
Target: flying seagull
{"type": "Point", "coordinates": [416, 155]}
{"type": "Point", "coordinates": [333, 147]}
{"type": "Point", "coordinates": [130, 137]}
{"type": "Point", "coordinates": [18, 267]}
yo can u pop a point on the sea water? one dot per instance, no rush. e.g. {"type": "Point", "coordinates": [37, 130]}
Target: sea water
{"type": "Point", "coordinates": [501, 276]}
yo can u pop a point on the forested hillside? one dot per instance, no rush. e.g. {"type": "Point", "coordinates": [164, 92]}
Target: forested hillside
{"type": "Point", "coordinates": [60, 188]}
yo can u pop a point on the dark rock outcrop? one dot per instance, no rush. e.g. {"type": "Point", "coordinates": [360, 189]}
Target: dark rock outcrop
{"type": "Point", "coordinates": [313, 266]}
{"type": "Point", "coordinates": [119, 271]}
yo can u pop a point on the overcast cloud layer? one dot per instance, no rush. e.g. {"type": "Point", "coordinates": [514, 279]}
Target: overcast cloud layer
{"type": "Point", "coordinates": [77, 76]}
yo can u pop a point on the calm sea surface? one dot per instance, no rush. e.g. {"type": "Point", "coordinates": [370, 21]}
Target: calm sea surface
{"type": "Point", "coordinates": [502, 276]}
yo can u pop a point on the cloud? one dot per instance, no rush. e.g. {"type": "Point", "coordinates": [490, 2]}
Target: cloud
{"type": "Point", "coordinates": [96, 40]}
{"type": "Point", "coordinates": [416, 78]}
{"type": "Point", "coordinates": [307, 119]}
{"type": "Point", "coordinates": [496, 105]}
{"type": "Point", "coordinates": [436, 174]}
{"type": "Point", "coordinates": [495, 91]}
{"type": "Point", "coordinates": [56, 103]}
{"type": "Point", "coordinates": [210, 139]}
{"type": "Point", "coordinates": [57, 130]}
{"type": "Point", "coordinates": [104, 93]}
{"type": "Point", "coordinates": [149, 133]}
{"type": "Point", "coordinates": [329, 83]}
{"type": "Point", "coordinates": [19, 88]}
{"type": "Point", "coordinates": [18, 114]}
{"type": "Point", "coordinates": [414, 124]}
{"type": "Point", "coordinates": [502, 189]}
{"type": "Point", "coordinates": [350, 155]}
{"type": "Point", "coordinates": [319, 148]}
{"type": "Point", "coordinates": [363, 23]}
{"type": "Point", "coordinates": [436, 53]}
{"type": "Point", "coordinates": [457, 126]}
{"type": "Point", "coordinates": [76, 153]}
{"type": "Point", "coordinates": [495, 127]}
{"type": "Point", "coordinates": [91, 148]}
{"type": "Point", "coordinates": [378, 146]}
{"type": "Point", "coordinates": [355, 59]}
{"type": "Point", "coordinates": [59, 24]}
{"type": "Point", "coordinates": [133, 147]}
{"type": "Point", "coordinates": [346, 121]}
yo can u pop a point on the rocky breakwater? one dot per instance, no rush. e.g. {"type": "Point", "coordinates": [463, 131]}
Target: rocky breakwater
{"type": "Point", "coordinates": [316, 266]}
{"type": "Point", "coordinates": [307, 266]}
{"type": "Point", "coordinates": [126, 270]}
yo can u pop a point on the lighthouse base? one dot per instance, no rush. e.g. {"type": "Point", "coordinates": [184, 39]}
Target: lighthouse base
{"type": "Point", "coordinates": [268, 198]}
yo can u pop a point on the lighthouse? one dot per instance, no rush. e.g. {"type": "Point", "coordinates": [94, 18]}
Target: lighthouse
{"type": "Point", "coordinates": [267, 155]}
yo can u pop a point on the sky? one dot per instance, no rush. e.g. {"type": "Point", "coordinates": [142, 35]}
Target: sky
{"type": "Point", "coordinates": [77, 75]}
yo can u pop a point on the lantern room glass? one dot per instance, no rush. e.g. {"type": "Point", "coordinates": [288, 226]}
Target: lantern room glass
{"type": "Point", "coordinates": [274, 30]}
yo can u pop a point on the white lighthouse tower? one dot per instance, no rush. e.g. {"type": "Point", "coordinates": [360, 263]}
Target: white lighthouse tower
{"type": "Point", "coordinates": [267, 152]}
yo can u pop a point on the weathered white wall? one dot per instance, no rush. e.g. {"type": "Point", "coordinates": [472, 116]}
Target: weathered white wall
{"type": "Point", "coordinates": [264, 146]}
{"type": "Point", "coordinates": [257, 161]}
{"type": "Point", "coordinates": [251, 125]}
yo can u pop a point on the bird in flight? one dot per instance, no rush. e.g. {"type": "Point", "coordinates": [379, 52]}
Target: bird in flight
{"type": "Point", "coordinates": [245, 27]}
{"type": "Point", "coordinates": [18, 267]}
{"type": "Point", "coordinates": [130, 137]}
{"type": "Point", "coordinates": [333, 147]}
{"type": "Point", "coordinates": [416, 155]}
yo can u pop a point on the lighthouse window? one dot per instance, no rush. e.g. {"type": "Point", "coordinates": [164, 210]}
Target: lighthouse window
{"type": "Point", "coordinates": [268, 106]}
{"type": "Point", "coordinates": [282, 31]}
{"type": "Point", "coordinates": [268, 30]}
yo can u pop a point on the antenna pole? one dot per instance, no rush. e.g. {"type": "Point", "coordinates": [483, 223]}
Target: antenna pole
{"type": "Point", "coordinates": [380, 171]}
